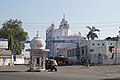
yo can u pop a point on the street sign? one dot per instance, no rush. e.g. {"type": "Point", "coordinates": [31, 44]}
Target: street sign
{"type": "Point", "coordinates": [3, 43]}
{"type": "Point", "coordinates": [5, 53]}
{"type": "Point", "coordinates": [59, 41]}
{"type": "Point", "coordinates": [77, 51]}
{"type": "Point", "coordinates": [115, 50]}
{"type": "Point", "coordinates": [56, 41]}
{"type": "Point", "coordinates": [14, 52]}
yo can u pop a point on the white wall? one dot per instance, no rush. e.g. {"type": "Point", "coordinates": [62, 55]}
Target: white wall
{"type": "Point", "coordinates": [101, 47]}
{"type": "Point", "coordinates": [19, 59]}
{"type": "Point", "coordinates": [57, 32]}
{"type": "Point", "coordinates": [7, 61]}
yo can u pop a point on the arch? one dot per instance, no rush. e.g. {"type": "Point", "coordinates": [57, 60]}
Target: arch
{"type": "Point", "coordinates": [100, 58]}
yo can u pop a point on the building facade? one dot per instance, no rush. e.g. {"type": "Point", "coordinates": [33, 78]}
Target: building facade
{"type": "Point", "coordinates": [100, 51]}
{"type": "Point", "coordinates": [75, 47]}
{"type": "Point", "coordinates": [59, 41]}
{"type": "Point", "coordinates": [5, 54]}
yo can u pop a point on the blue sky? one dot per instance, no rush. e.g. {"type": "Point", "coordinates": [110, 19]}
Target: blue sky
{"type": "Point", "coordinates": [39, 14]}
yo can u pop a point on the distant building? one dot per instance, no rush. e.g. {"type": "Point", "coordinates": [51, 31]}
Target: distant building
{"type": "Point", "coordinates": [5, 54]}
{"type": "Point", "coordinates": [75, 47]}
{"type": "Point", "coordinates": [59, 40]}
{"type": "Point", "coordinates": [101, 51]}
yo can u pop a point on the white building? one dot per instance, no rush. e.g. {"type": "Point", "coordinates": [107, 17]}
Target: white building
{"type": "Point", "coordinates": [100, 51]}
{"type": "Point", "coordinates": [5, 55]}
{"type": "Point", "coordinates": [75, 47]}
{"type": "Point", "coordinates": [59, 40]}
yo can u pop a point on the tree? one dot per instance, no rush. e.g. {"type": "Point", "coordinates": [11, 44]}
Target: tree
{"type": "Point", "coordinates": [91, 34]}
{"type": "Point", "coordinates": [10, 42]}
{"type": "Point", "coordinates": [13, 31]}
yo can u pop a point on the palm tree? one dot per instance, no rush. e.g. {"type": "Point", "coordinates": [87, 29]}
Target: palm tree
{"type": "Point", "coordinates": [91, 34]}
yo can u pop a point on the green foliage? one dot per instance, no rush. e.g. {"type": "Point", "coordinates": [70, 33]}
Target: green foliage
{"type": "Point", "coordinates": [10, 42]}
{"type": "Point", "coordinates": [13, 31]}
{"type": "Point", "coordinates": [91, 34]}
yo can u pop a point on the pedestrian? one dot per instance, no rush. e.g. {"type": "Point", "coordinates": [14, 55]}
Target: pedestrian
{"type": "Point", "coordinates": [83, 61]}
{"type": "Point", "coordinates": [87, 63]}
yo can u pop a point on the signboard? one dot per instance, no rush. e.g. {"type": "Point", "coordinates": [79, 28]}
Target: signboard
{"type": "Point", "coordinates": [77, 51]}
{"type": "Point", "coordinates": [3, 43]}
{"type": "Point", "coordinates": [115, 50]}
{"type": "Point", "coordinates": [14, 52]}
{"type": "Point", "coordinates": [56, 41]}
{"type": "Point", "coordinates": [60, 41]}
{"type": "Point", "coordinates": [5, 53]}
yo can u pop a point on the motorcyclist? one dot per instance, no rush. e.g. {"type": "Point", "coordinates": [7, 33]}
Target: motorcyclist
{"type": "Point", "coordinates": [51, 65]}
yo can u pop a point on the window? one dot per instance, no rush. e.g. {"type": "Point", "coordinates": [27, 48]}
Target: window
{"type": "Point", "coordinates": [64, 24]}
{"type": "Point", "coordinates": [103, 44]}
{"type": "Point", "coordinates": [98, 43]}
{"type": "Point", "coordinates": [68, 53]}
{"type": "Point", "coordinates": [93, 44]}
{"type": "Point", "coordinates": [110, 43]}
{"type": "Point", "coordinates": [91, 50]}
{"type": "Point", "coordinates": [86, 48]}
{"type": "Point", "coordinates": [72, 52]}
{"type": "Point", "coordinates": [110, 48]}
{"type": "Point", "coordinates": [82, 50]}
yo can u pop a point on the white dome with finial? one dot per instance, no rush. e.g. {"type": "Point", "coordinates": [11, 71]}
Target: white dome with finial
{"type": "Point", "coordinates": [37, 43]}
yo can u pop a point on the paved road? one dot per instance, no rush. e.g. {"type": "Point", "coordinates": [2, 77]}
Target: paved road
{"type": "Point", "coordinates": [64, 73]}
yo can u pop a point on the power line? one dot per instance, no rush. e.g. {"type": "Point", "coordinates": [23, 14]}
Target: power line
{"type": "Point", "coordinates": [73, 25]}
{"type": "Point", "coordinates": [47, 25]}
{"type": "Point", "coordinates": [70, 23]}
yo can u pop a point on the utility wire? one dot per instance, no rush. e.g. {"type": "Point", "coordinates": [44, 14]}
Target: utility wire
{"type": "Point", "coordinates": [77, 23]}
{"type": "Point", "coordinates": [47, 25]}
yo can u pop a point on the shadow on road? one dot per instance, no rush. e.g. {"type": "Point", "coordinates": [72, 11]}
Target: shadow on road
{"type": "Point", "coordinates": [111, 79]}
{"type": "Point", "coordinates": [10, 71]}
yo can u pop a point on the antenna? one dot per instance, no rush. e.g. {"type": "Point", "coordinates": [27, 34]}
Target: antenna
{"type": "Point", "coordinates": [64, 16]}
{"type": "Point", "coordinates": [37, 33]}
{"type": "Point", "coordinates": [53, 21]}
{"type": "Point", "coordinates": [119, 31]}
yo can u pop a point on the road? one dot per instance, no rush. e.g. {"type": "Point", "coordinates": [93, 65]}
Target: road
{"type": "Point", "coordinates": [19, 72]}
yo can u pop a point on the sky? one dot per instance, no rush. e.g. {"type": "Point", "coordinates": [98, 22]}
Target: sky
{"type": "Point", "coordinates": [38, 15]}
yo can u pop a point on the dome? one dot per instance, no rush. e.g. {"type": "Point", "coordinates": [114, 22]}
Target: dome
{"type": "Point", "coordinates": [37, 43]}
